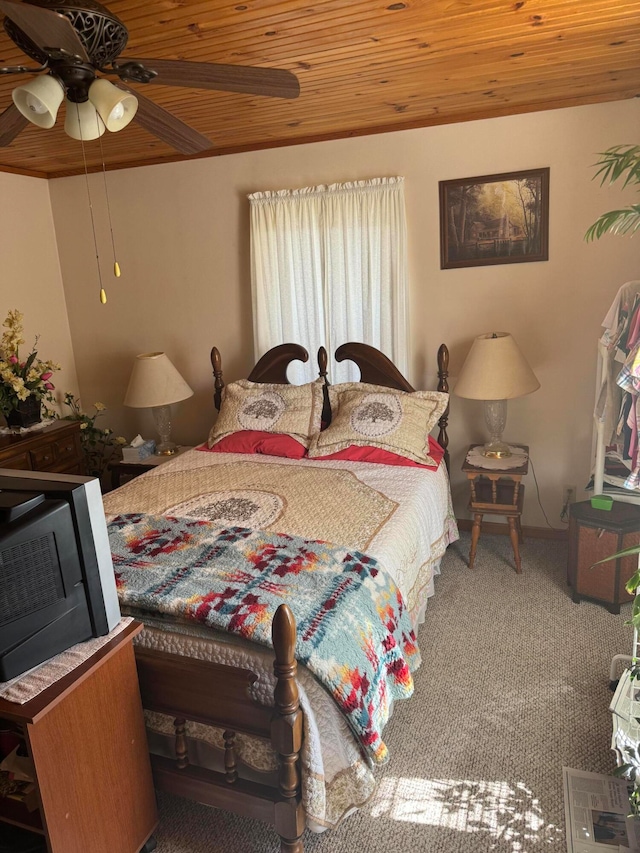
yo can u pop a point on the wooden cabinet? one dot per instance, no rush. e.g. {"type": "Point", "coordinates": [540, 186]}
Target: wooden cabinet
{"type": "Point", "coordinates": [593, 535]}
{"type": "Point", "coordinates": [85, 735]}
{"type": "Point", "coordinates": [55, 448]}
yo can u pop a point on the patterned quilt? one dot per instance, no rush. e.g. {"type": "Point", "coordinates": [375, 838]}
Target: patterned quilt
{"type": "Point", "coordinates": [353, 631]}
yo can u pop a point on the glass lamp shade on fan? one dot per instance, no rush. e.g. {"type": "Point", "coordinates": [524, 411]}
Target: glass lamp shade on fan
{"type": "Point", "coordinates": [155, 384]}
{"type": "Point", "coordinates": [104, 106]}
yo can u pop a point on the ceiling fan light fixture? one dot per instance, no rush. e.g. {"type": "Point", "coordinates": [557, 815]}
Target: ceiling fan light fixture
{"type": "Point", "coordinates": [115, 106]}
{"type": "Point", "coordinates": [82, 121]}
{"type": "Point", "coordinates": [39, 100]}
{"type": "Point", "coordinates": [79, 39]}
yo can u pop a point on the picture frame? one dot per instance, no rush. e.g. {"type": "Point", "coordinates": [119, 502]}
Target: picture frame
{"type": "Point", "coordinates": [495, 219]}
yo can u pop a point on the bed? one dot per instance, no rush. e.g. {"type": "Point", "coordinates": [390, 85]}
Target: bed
{"type": "Point", "coordinates": [233, 721]}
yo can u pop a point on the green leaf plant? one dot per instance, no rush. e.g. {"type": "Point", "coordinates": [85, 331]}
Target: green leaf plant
{"type": "Point", "coordinates": [98, 445]}
{"type": "Point", "coordinates": [618, 162]}
{"type": "Point", "coordinates": [632, 586]}
{"type": "Point", "coordinates": [631, 770]}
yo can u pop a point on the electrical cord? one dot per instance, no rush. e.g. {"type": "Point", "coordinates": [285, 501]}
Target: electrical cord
{"type": "Point", "coordinates": [535, 479]}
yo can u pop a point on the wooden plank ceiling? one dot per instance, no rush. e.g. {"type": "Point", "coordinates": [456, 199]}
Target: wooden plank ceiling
{"type": "Point", "coordinates": [364, 66]}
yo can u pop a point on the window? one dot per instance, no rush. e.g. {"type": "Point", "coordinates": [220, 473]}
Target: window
{"type": "Point", "coordinates": [328, 265]}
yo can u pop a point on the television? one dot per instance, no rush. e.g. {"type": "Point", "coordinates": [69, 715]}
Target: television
{"type": "Point", "coordinates": [57, 586]}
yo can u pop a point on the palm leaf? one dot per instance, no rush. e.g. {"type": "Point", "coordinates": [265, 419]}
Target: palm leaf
{"type": "Point", "coordinates": [620, 161]}
{"type": "Point", "coordinates": [626, 552]}
{"type": "Point", "coordinates": [616, 161]}
{"type": "Point", "coordinates": [623, 221]}
{"type": "Point", "coordinates": [633, 583]}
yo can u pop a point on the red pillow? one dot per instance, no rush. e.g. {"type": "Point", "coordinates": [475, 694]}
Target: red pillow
{"type": "Point", "coordinates": [255, 441]}
{"type": "Point", "coordinates": [355, 453]}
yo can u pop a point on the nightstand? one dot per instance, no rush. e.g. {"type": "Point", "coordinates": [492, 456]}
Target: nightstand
{"type": "Point", "coordinates": [134, 469]}
{"type": "Point", "coordinates": [497, 491]}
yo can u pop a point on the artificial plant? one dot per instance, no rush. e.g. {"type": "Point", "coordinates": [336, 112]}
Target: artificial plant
{"type": "Point", "coordinates": [98, 445]}
{"type": "Point", "coordinates": [618, 162]}
{"type": "Point", "coordinates": [623, 162]}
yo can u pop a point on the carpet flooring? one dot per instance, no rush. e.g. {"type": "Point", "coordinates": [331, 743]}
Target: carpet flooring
{"type": "Point", "coordinates": [513, 685]}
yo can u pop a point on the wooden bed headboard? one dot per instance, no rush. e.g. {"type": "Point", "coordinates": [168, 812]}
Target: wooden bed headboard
{"type": "Point", "coordinates": [272, 367]}
{"type": "Point", "coordinates": [375, 367]}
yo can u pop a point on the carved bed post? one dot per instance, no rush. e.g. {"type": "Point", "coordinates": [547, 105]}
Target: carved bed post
{"type": "Point", "coordinates": [443, 385]}
{"type": "Point", "coordinates": [286, 733]}
{"type": "Point", "coordinates": [322, 363]}
{"type": "Point", "coordinates": [218, 381]}
{"type": "Point", "coordinates": [322, 373]}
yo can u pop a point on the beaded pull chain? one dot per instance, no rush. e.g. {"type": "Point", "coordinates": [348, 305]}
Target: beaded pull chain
{"type": "Point", "coordinates": [116, 265]}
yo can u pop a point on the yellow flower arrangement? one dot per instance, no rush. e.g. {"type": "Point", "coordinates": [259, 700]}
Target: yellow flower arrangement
{"type": "Point", "coordinates": [22, 377]}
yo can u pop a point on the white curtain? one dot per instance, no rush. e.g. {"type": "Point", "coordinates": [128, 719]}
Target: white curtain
{"type": "Point", "coordinates": [328, 265]}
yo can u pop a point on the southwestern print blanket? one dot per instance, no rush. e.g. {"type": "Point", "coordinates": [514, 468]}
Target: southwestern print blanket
{"type": "Point", "coordinates": [353, 631]}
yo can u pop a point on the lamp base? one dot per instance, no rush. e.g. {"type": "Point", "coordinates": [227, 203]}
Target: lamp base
{"type": "Point", "coordinates": [166, 449]}
{"type": "Point", "coordinates": [495, 415]}
{"type": "Point", "coordinates": [162, 417]}
{"type": "Point", "coordinates": [496, 450]}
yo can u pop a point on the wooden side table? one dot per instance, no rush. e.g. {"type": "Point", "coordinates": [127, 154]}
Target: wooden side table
{"type": "Point", "coordinates": [119, 468]}
{"type": "Point", "coordinates": [497, 492]}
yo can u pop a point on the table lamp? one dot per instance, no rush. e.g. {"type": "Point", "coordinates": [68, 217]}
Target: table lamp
{"type": "Point", "coordinates": [495, 371]}
{"type": "Point", "coordinates": [155, 384]}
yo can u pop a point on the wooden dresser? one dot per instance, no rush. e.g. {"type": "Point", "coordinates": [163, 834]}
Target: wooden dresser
{"type": "Point", "coordinates": [55, 447]}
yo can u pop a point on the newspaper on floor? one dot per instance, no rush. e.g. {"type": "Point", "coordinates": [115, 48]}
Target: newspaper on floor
{"type": "Point", "coordinates": [596, 812]}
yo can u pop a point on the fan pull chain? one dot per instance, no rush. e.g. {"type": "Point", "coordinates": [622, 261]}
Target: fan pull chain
{"type": "Point", "coordinates": [116, 265]}
{"type": "Point", "coordinates": [103, 294]}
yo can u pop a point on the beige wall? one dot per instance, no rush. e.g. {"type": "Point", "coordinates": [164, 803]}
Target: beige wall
{"type": "Point", "coordinates": [182, 231]}
{"type": "Point", "coordinates": [30, 279]}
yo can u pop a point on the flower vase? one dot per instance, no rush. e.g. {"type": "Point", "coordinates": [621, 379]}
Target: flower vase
{"type": "Point", "coordinates": [26, 413]}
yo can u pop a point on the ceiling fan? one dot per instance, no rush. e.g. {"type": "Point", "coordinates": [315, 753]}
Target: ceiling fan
{"type": "Point", "coordinates": [76, 42]}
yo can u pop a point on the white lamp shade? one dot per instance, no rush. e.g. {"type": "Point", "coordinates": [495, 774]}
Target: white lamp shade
{"type": "Point", "coordinates": [495, 369]}
{"type": "Point", "coordinates": [39, 100]}
{"type": "Point", "coordinates": [82, 121]}
{"type": "Point", "coordinates": [155, 382]}
{"type": "Point", "coordinates": [115, 106]}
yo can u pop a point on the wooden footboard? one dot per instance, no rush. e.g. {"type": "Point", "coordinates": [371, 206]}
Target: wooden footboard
{"type": "Point", "coordinates": [204, 692]}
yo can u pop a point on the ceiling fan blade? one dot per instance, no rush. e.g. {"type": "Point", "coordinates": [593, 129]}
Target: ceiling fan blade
{"type": "Point", "coordinates": [168, 128]}
{"type": "Point", "coordinates": [45, 28]}
{"type": "Point", "coordinates": [11, 123]}
{"type": "Point", "coordinates": [273, 82]}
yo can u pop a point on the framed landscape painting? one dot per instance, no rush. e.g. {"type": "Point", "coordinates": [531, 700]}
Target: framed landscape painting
{"type": "Point", "coordinates": [495, 219]}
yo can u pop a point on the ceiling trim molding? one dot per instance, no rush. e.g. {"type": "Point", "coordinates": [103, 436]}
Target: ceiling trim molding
{"type": "Point", "coordinates": [435, 121]}
{"type": "Point", "coordinates": [29, 173]}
